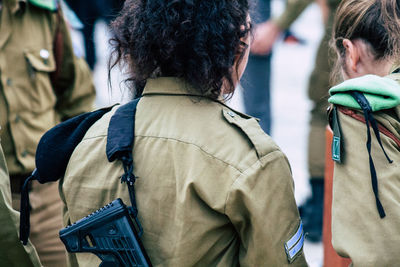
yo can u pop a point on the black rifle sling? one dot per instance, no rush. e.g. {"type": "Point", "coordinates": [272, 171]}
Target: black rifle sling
{"type": "Point", "coordinates": [120, 139]}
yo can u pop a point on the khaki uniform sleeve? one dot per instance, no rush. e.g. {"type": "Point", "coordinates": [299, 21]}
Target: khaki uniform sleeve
{"type": "Point", "coordinates": [263, 210]}
{"type": "Point", "coordinates": [73, 83]}
{"type": "Point", "coordinates": [292, 11]}
{"type": "Point", "coordinates": [357, 230]}
{"type": "Point", "coordinates": [12, 252]}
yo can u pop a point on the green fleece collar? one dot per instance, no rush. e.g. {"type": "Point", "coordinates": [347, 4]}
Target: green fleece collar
{"type": "Point", "coordinates": [381, 92]}
{"type": "Point", "coordinates": [51, 5]}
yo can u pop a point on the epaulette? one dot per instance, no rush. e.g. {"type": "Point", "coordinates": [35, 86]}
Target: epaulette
{"type": "Point", "coordinates": [51, 5]}
{"type": "Point", "coordinates": [251, 128]}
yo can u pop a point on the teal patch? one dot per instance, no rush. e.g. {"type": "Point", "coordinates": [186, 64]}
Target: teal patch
{"type": "Point", "coordinates": [337, 142]}
{"type": "Point", "coordinates": [294, 245]}
{"type": "Point", "coordinates": [51, 5]}
{"type": "Point", "coordinates": [336, 149]}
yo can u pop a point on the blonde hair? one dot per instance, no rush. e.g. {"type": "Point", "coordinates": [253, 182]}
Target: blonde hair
{"type": "Point", "coordinates": [376, 22]}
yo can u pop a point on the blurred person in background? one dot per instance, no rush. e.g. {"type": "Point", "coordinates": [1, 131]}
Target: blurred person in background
{"type": "Point", "coordinates": [257, 76]}
{"type": "Point", "coordinates": [366, 126]}
{"type": "Point", "coordinates": [256, 80]}
{"type": "Point", "coordinates": [89, 12]}
{"type": "Point", "coordinates": [266, 35]}
{"type": "Point", "coordinates": [42, 83]}
{"type": "Point", "coordinates": [12, 252]}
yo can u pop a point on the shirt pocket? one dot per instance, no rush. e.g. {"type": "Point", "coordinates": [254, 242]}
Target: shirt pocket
{"type": "Point", "coordinates": [40, 64]}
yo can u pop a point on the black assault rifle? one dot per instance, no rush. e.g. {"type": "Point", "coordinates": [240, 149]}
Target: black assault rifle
{"type": "Point", "coordinates": [110, 234]}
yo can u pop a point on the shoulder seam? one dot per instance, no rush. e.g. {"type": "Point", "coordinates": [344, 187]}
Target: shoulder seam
{"type": "Point", "coordinates": [192, 144]}
{"type": "Point", "coordinates": [241, 171]}
{"type": "Point", "coordinates": [242, 174]}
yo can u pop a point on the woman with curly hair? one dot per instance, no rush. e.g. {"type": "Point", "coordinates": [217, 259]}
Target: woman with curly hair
{"type": "Point", "coordinates": [213, 189]}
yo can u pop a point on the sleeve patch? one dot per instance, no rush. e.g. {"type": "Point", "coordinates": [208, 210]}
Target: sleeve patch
{"type": "Point", "coordinates": [336, 149]}
{"type": "Point", "coordinates": [337, 142]}
{"type": "Point", "coordinates": [294, 245]}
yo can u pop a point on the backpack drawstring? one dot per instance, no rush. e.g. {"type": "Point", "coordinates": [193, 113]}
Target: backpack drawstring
{"type": "Point", "coordinates": [370, 121]}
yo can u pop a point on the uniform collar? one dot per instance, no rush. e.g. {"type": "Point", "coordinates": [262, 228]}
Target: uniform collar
{"type": "Point", "coordinates": [177, 86]}
{"type": "Point", "coordinates": [169, 86]}
{"type": "Point", "coordinates": [16, 5]}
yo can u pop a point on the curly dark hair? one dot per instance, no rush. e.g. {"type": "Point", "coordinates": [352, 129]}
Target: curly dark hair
{"type": "Point", "coordinates": [197, 40]}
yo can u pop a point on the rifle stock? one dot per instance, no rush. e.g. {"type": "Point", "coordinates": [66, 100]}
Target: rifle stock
{"type": "Point", "coordinates": [109, 233]}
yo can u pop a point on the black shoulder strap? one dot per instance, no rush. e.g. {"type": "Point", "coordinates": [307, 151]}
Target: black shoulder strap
{"type": "Point", "coordinates": [52, 156]}
{"type": "Point", "coordinates": [120, 138]}
{"type": "Point", "coordinates": [121, 132]}
{"type": "Point", "coordinates": [56, 146]}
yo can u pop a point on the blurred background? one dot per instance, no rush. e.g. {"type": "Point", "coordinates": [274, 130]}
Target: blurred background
{"type": "Point", "coordinates": [292, 63]}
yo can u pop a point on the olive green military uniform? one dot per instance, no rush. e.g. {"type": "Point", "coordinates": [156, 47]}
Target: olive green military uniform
{"type": "Point", "coordinates": [41, 83]}
{"type": "Point", "coordinates": [319, 84]}
{"type": "Point", "coordinates": [358, 232]}
{"type": "Point", "coordinates": [12, 252]}
{"type": "Point", "coordinates": [213, 188]}
{"type": "Point", "coordinates": [292, 11]}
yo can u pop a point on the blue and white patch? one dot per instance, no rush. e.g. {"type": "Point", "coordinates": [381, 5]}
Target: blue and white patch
{"type": "Point", "coordinates": [294, 245]}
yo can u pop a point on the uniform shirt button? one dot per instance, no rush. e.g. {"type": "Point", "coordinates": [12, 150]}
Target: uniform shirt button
{"type": "Point", "coordinates": [24, 153]}
{"type": "Point", "coordinates": [44, 53]}
{"type": "Point", "coordinates": [230, 113]}
{"type": "Point", "coordinates": [9, 82]}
